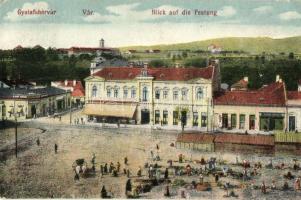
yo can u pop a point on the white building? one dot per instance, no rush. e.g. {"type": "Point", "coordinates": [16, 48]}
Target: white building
{"type": "Point", "coordinates": [294, 109]}
{"type": "Point", "coordinates": [155, 96]}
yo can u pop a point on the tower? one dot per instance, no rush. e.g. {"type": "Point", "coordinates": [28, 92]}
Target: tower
{"type": "Point", "coordinates": [102, 43]}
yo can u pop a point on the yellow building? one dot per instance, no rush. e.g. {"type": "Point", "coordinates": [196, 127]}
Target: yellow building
{"type": "Point", "coordinates": [34, 102]}
{"type": "Point", "coordinates": [156, 96]}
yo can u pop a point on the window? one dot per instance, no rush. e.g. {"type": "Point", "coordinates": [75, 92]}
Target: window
{"type": "Point", "coordinates": [108, 92]}
{"type": "Point", "coordinates": [233, 121]}
{"type": "Point", "coordinates": [175, 95]}
{"type": "Point", "coordinates": [116, 92]}
{"type": "Point", "coordinates": [157, 94]}
{"type": "Point", "coordinates": [125, 93]}
{"type": "Point", "coordinates": [252, 122]}
{"type": "Point", "coordinates": [94, 91]}
{"type": "Point", "coordinates": [184, 94]}
{"type": "Point", "coordinates": [175, 117]}
{"type": "Point", "coordinates": [165, 117]}
{"type": "Point", "coordinates": [133, 93]}
{"type": "Point", "coordinates": [157, 116]}
{"type": "Point", "coordinates": [199, 93]}
{"type": "Point", "coordinates": [165, 94]}
{"type": "Point", "coordinates": [195, 119]}
{"type": "Point", "coordinates": [204, 119]}
{"type": "Point", "coordinates": [242, 120]}
{"type": "Point", "coordinates": [224, 120]}
{"type": "Point", "coordinates": [144, 94]}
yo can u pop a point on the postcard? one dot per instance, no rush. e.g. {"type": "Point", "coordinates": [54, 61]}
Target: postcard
{"type": "Point", "coordinates": [181, 99]}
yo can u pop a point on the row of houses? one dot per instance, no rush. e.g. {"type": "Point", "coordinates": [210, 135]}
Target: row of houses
{"type": "Point", "coordinates": [189, 97]}
{"type": "Point", "coordinates": [25, 100]}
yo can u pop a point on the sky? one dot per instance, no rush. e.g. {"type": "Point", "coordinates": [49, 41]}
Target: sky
{"type": "Point", "coordinates": [131, 22]}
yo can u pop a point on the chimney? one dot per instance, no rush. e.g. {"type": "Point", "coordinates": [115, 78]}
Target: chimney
{"type": "Point", "coordinates": [278, 79]}
{"type": "Point", "coordinates": [246, 79]}
{"type": "Point", "coordinates": [74, 83]}
{"type": "Point", "coordinates": [66, 82]}
{"type": "Point", "coordinates": [145, 65]}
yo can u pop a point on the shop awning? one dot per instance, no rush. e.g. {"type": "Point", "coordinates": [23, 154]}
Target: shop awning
{"type": "Point", "coordinates": [110, 110]}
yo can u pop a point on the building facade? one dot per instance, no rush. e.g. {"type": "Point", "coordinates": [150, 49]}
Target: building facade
{"type": "Point", "coordinates": [294, 109]}
{"type": "Point", "coordinates": [33, 102]}
{"type": "Point", "coordinates": [252, 111]}
{"type": "Point", "coordinates": [156, 96]}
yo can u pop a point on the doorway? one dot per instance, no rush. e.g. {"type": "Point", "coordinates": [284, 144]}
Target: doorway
{"type": "Point", "coordinates": [145, 116]}
{"type": "Point", "coordinates": [292, 123]}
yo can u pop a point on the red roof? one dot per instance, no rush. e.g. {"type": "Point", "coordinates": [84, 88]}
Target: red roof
{"type": "Point", "coordinates": [195, 138]}
{"type": "Point", "coordinates": [170, 74]}
{"type": "Point", "coordinates": [273, 94]}
{"type": "Point", "coordinates": [293, 95]}
{"type": "Point", "coordinates": [89, 49]}
{"type": "Point", "coordinates": [245, 139]}
{"type": "Point", "coordinates": [78, 89]}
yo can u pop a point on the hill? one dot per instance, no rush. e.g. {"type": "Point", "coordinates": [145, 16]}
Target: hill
{"type": "Point", "coordinates": [247, 44]}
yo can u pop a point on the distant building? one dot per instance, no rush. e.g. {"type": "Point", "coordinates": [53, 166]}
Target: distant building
{"type": "Point", "coordinates": [241, 84]}
{"type": "Point", "coordinates": [76, 51]}
{"type": "Point", "coordinates": [99, 63]}
{"type": "Point", "coordinates": [213, 48]}
{"type": "Point", "coordinates": [32, 102]}
{"type": "Point", "coordinates": [75, 87]}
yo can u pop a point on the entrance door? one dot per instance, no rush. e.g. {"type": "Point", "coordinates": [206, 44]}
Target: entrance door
{"type": "Point", "coordinates": [145, 116]}
{"type": "Point", "coordinates": [33, 111]}
{"type": "Point", "coordinates": [292, 123]}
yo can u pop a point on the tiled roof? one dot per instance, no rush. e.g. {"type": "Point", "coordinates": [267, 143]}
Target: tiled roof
{"type": "Point", "coordinates": [293, 95]}
{"type": "Point", "coordinates": [195, 138]}
{"type": "Point", "coordinates": [164, 74]}
{"type": "Point", "coordinates": [78, 93]}
{"type": "Point", "coordinates": [245, 139]}
{"type": "Point", "coordinates": [273, 94]}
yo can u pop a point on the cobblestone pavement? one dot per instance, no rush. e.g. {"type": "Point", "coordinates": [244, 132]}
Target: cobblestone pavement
{"type": "Point", "coordinates": [40, 173]}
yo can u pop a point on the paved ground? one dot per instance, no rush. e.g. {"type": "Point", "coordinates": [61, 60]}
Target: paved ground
{"type": "Point", "coordinates": [40, 173]}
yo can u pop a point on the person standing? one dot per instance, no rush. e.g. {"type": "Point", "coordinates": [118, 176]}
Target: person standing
{"type": "Point", "coordinates": [118, 166]}
{"type": "Point", "coordinates": [125, 160]}
{"type": "Point", "coordinates": [167, 193]}
{"type": "Point", "coordinates": [103, 193]}
{"type": "Point", "coordinates": [55, 148]}
{"type": "Point", "coordinates": [263, 188]}
{"type": "Point", "coordinates": [166, 173]}
{"type": "Point", "coordinates": [128, 188]}
{"type": "Point", "coordinates": [38, 141]}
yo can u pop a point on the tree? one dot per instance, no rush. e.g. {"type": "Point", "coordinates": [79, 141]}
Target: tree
{"type": "Point", "coordinates": [291, 55]}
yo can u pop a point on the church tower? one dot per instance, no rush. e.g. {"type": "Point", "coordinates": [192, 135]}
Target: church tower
{"type": "Point", "coordinates": [102, 43]}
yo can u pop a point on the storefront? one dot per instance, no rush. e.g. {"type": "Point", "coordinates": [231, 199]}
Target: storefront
{"type": "Point", "coordinates": [271, 121]}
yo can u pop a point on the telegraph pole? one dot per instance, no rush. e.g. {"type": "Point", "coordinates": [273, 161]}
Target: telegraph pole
{"type": "Point", "coordinates": [16, 128]}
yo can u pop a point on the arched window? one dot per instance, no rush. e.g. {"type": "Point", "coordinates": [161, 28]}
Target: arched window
{"type": "Point", "coordinates": [94, 91]}
{"type": "Point", "coordinates": [125, 92]}
{"type": "Point", "coordinates": [133, 92]}
{"type": "Point", "coordinates": [199, 93]}
{"type": "Point", "coordinates": [144, 94]}
{"type": "Point", "coordinates": [184, 93]}
{"type": "Point", "coordinates": [175, 93]}
{"type": "Point", "coordinates": [116, 92]}
{"type": "Point", "coordinates": [157, 94]}
{"type": "Point", "coordinates": [108, 92]}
